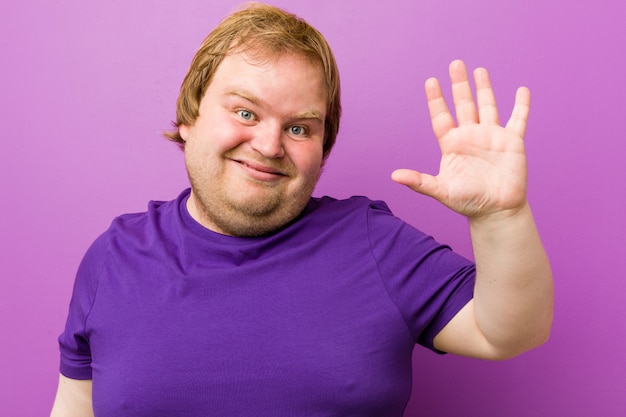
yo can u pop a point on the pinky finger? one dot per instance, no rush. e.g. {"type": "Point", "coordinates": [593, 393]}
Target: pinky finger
{"type": "Point", "coordinates": [519, 116]}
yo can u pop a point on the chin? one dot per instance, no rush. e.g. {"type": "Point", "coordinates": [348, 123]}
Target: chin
{"type": "Point", "coordinates": [257, 219]}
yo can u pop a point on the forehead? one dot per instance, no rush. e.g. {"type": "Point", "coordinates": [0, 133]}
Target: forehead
{"type": "Point", "coordinates": [291, 78]}
{"type": "Point", "coordinates": [260, 61]}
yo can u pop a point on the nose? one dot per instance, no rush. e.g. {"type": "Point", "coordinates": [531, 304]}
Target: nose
{"type": "Point", "coordinates": [268, 140]}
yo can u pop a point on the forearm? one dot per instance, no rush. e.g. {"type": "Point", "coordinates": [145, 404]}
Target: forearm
{"type": "Point", "coordinates": [513, 300]}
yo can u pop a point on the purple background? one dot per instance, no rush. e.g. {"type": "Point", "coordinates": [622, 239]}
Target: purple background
{"type": "Point", "coordinates": [86, 88]}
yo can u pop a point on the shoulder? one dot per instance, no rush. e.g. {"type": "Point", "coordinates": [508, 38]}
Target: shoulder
{"type": "Point", "coordinates": [354, 214]}
{"type": "Point", "coordinates": [133, 230]}
{"type": "Point", "coordinates": [159, 216]}
{"type": "Point", "coordinates": [356, 204]}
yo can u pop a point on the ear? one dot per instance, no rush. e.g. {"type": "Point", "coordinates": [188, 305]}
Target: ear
{"type": "Point", "coordinates": [183, 130]}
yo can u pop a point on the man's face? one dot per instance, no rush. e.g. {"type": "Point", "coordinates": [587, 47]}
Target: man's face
{"type": "Point", "coordinates": [254, 153]}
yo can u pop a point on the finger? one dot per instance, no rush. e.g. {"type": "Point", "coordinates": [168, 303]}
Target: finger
{"type": "Point", "coordinates": [519, 116]}
{"type": "Point", "coordinates": [462, 94]}
{"type": "Point", "coordinates": [440, 116]}
{"type": "Point", "coordinates": [485, 99]}
{"type": "Point", "coordinates": [417, 181]}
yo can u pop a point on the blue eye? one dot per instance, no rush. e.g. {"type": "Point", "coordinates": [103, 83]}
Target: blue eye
{"type": "Point", "coordinates": [245, 114]}
{"type": "Point", "coordinates": [297, 130]}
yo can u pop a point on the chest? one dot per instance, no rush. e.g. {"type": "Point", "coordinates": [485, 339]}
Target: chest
{"type": "Point", "coordinates": [302, 340]}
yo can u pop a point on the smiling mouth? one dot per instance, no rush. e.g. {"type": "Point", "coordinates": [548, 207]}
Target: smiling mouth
{"type": "Point", "coordinates": [260, 168]}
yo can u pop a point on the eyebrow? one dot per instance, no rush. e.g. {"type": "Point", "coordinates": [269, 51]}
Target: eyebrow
{"type": "Point", "coordinates": [307, 114]}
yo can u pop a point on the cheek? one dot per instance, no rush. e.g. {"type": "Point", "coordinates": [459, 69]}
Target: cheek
{"type": "Point", "coordinates": [307, 157]}
{"type": "Point", "coordinates": [216, 136]}
{"type": "Point", "coordinates": [231, 134]}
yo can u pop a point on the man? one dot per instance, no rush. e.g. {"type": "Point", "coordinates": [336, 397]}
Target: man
{"type": "Point", "coordinates": [246, 296]}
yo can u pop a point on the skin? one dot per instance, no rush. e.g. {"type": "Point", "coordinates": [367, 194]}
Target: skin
{"type": "Point", "coordinates": [246, 170]}
{"type": "Point", "coordinates": [73, 398]}
{"type": "Point", "coordinates": [254, 154]}
{"type": "Point", "coordinates": [483, 177]}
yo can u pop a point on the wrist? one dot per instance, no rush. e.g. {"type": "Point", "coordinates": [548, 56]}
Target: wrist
{"type": "Point", "coordinates": [500, 217]}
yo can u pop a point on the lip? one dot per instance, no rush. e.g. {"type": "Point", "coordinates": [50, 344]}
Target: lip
{"type": "Point", "coordinates": [259, 171]}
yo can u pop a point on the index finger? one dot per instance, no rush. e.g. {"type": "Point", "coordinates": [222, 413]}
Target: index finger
{"type": "Point", "coordinates": [440, 116]}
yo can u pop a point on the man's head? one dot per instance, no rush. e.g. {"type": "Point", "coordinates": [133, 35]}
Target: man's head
{"type": "Point", "coordinates": [257, 115]}
{"type": "Point", "coordinates": [263, 32]}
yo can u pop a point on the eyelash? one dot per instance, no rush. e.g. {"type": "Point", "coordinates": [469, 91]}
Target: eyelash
{"type": "Point", "coordinates": [252, 117]}
{"type": "Point", "coordinates": [305, 130]}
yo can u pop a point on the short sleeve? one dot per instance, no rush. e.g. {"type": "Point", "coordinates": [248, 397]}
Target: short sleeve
{"type": "Point", "coordinates": [428, 282]}
{"type": "Point", "coordinates": [74, 341]}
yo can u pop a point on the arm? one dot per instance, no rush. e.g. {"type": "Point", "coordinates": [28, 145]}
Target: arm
{"type": "Point", "coordinates": [73, 398]}
{"type": "Point", "coordinates": [483, 176]}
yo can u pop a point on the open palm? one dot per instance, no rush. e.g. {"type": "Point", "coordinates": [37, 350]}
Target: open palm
{"type": "Point", "coordinates": [483, 164]}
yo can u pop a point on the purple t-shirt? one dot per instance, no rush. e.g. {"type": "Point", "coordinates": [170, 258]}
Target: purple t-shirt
{"type": "Point", "coordinates": [319, 319]}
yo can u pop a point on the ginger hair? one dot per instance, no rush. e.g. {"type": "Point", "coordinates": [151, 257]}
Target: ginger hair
{"type": "Point", "coordinates": [263, 31]}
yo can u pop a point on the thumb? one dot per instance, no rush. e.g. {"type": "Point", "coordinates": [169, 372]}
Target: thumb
{"type": "Point", "coordinates": [419, 182]}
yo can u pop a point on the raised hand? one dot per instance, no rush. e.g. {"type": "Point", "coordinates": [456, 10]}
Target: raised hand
{"type": "Point", "coordinates": [483, 164]}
